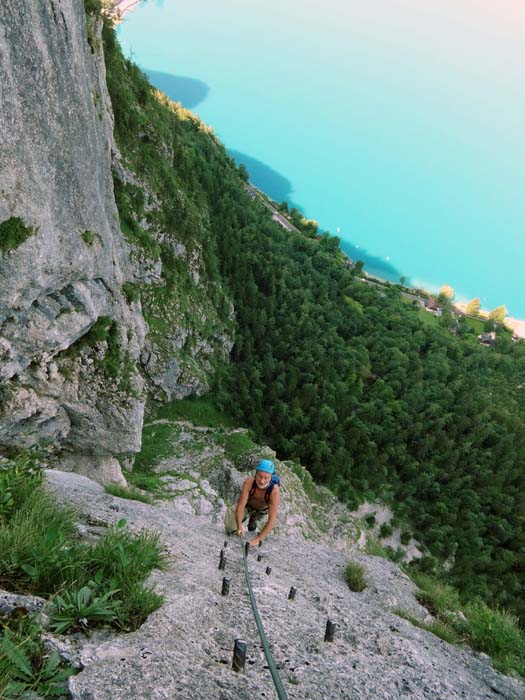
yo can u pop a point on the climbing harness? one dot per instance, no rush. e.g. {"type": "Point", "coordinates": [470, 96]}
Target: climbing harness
{"type": "Point", "coordinates": [281, 692]}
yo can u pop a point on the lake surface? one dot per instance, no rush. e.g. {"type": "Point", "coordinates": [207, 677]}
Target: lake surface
{"type": "Point", "coordinates": [396, 124]}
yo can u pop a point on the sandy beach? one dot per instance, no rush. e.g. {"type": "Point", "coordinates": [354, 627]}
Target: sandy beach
{"type": "Point", "coordinates": [121, 7]}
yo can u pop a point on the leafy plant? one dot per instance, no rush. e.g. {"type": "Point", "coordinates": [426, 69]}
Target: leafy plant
{"type": "Point", "coordinates": [80, 608]}
{"type": "Point", "coordinates": [24, 672]}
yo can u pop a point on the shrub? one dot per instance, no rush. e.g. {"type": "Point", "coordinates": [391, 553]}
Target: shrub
{"type": "Point", "coordinates": [370, 519]}
{"type": "Point", "coordinates": [131, 292]}
{"type": "Point", "coordinates": [385, 530]}
{"type": "Point", "coordinates": [13, 232]}
{"type": "Point", "coordinates": [355, 577]}
{"type": "Point", "coordinates": [405, 537]}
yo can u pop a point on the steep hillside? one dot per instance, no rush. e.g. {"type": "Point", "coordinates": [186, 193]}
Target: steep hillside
{"type": "Point", "coordinates": [136, 269]}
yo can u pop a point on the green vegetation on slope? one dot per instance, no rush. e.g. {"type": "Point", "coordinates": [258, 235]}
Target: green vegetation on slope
{"type": "Point", "coordinates": [13, 232]}
{"type": "Point", "coordinates": [335, 373]}
{"type": "Point", "coordinates": [88, 584]}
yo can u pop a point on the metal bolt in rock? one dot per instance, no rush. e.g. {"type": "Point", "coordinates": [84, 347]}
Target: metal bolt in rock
{"type": "Point", "coordinates": [291, 595]}
{"type": "Point", "coordinates": [268, 570]}
{"type": "Point", "coordinates": [239, 655]}
{"type": "Point", "coordinates": [222, 561]}
{"type": "Point", "coordinates": [225, 543]}
{"type": "Point", "coordinates": [330, 631]}
{"type": "Point", "coordinates": [225, 586]}
{"type": "Point", "coordinates": [259, 557]}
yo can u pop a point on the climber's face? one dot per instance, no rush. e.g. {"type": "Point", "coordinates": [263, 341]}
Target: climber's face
{"type": "Point", "coordinates": [262, 479]}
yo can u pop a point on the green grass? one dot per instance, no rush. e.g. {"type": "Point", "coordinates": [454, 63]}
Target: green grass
{"type": "Point", "coordinates": [157, 444]}
{"type": "Point", "coordinates": [147, 481]}
{"type": "Point", "coordinates": [440, 629]}
{"type": "Point", "coordinates": [309, 486]}
{"type": "Point", "coordinates": [427, 317]}
{"type": "Point", "coordinates": [355, 577]}
{"type": "Point", "coordinates": [40, 554]}
{"type": "Point", "coordinates": [131, 493]}
{"type": "Point", "coordinates": [237, 446]}
{"type": "Point", "coordinates": [490, 630]}
{"type": "Point", "coordinates": [477, 325]}
{"type": "Point", "coordinates": [13, 232]}
{"type": "Point", "coordinates": [199, 411]}
{"type": "Point", "coordinates": [89, 237]}
{"type": "Point", "coordinates": [374, 548]}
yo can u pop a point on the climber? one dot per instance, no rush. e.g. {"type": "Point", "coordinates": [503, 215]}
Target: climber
{"type": "Point", "coordinates": [259, 496]}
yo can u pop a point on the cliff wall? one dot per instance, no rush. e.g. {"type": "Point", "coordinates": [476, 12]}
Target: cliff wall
{"type": "Point", "coordinates": [71, 335]}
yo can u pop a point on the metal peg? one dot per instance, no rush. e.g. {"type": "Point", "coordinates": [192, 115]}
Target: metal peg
{"type": "Point", "coordinates": [291, 595]}
{"type": "Point", "coordinates": [259, 557]}
{"type": "Point", "coordinates": [222, 561]}
{"type": "Point", "coordinates": [239, 655]}
{"type": "Point", "coordinates": [268, 570]}
{"type": "Point", "coordinates": [330, 631]}
{"type": "Point", "coordinates": [225, 544]}
{"type": "Point", "coordinates": [225, 586]}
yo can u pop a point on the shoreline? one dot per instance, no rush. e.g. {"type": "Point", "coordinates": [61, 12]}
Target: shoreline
{"type": "Point", "coordinates": [123, 7]}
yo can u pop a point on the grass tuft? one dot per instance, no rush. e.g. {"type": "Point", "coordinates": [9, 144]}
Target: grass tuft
{"type": "Point", "coordinates": [13, 232]}
{"type": "Point", "coordinates": [131, 493]}
{"type": "Point", "coordinates": [355, 577]}
{"type": "Point", "coordinates": [490, 630]}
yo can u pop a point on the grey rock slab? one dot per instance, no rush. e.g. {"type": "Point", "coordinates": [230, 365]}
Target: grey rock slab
{"type": "Point", "coordinates": [12, 602]}
{"type": "Point", "coordinates": [184, 649]}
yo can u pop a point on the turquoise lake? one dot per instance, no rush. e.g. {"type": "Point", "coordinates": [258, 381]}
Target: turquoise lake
{"type": "Point", "coordinates": [396, 124]}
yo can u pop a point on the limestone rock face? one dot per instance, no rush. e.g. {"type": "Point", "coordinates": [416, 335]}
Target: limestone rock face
{"type": "Point", "coordinates": [184, 650]}
{"type": "Point", "coordinates": [55, 174]}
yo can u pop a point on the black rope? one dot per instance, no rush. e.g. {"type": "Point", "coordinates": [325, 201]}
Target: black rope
{"type": "Point", "coordinates": [281, 692]}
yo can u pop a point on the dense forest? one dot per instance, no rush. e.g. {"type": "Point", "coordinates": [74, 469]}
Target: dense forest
{"type": "Point", "coordinates": [338, 374]}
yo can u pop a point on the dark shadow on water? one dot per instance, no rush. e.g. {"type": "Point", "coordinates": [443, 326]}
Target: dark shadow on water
{"type": "Point", "coordinates": [188, 91]}
{"type": "Point", "coordinates": [272, 183]}
{"type": "Point", "coordinates": [279, 188]}
{"type": "Point", "coordinates": [377, 267]}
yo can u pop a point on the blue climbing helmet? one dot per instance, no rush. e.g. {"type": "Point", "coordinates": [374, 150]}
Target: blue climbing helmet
{"type": "Point", "coordinates": [266, 465]}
